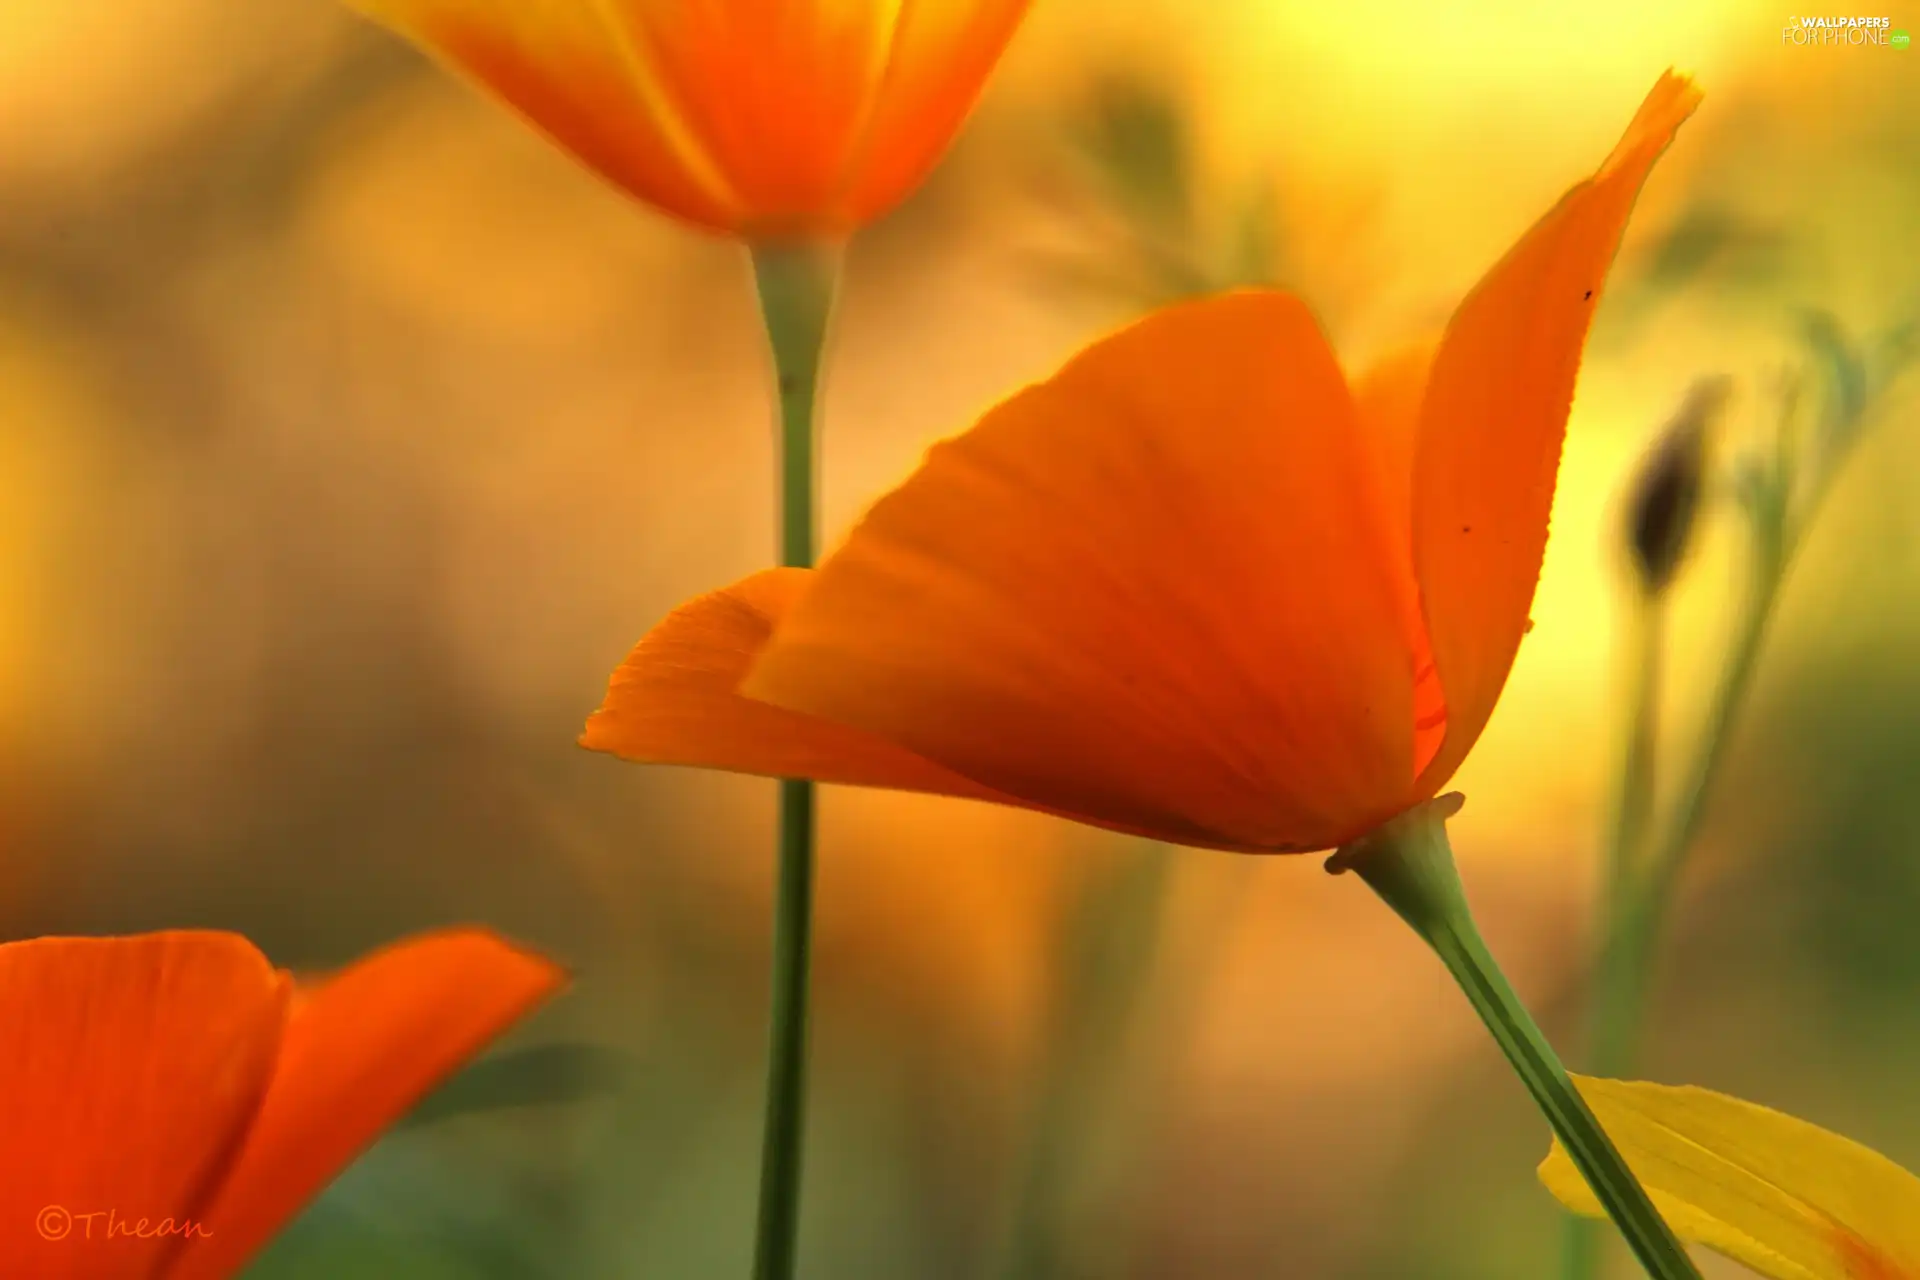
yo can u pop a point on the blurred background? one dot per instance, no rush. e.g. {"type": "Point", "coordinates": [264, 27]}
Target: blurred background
{"type": "Point", "coordinates": [349, 436]}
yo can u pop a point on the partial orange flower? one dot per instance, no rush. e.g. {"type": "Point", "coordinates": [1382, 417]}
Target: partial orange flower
{"type": "Point", "coordinates": [760, 118]}
{"type": "Point", "coordinates": [1196, 586]}
{"type": "Point", "coordinates": [169, 1101]}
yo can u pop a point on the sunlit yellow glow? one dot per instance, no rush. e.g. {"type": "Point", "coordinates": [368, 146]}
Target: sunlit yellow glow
{"type": "Point", "coordinates": [37, 423]}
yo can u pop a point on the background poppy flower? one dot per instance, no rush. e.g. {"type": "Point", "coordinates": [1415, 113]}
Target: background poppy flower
{"type": "Point", "coordinates": [754, 117]}
{"type": "Point", "coordinates": [180, 1076]}
{"type": "Point", "coordinates": [1195, 586]}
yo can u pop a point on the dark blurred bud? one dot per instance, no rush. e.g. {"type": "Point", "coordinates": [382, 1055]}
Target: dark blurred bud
{"type": "Point", "coordinates": [1665, 502]}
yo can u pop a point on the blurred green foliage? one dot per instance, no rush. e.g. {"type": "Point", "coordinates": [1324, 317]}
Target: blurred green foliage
{"type": "Point", "coordinates": [1154, 230]}
{"type": "Point", "coordinates": [543, 1075]}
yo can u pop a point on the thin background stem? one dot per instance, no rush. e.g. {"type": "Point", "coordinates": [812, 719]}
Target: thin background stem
{"type": "Point", "coordinates": [1626, 837]}
{"type": "Point", "coordinates": [1113, 941]}
{"type": "Point", "coordinates": [1782, 497]}
{"type": "Point", "coordinates": [796, 285]}
{"type": "Point", "coordinates": [1643, 874]}
{"type": "Point", "coordinates": [1645, 894]}
{"type": "Point", "coordinates": [1634, 798]}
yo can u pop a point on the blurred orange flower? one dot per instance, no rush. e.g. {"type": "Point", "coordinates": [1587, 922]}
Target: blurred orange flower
{"type": "Point", "coordinates": [1195, 586]}
{"type": "Point", "coordinates": [169, 1101]}
{"type": "Point", "coordinates": [760, 118]}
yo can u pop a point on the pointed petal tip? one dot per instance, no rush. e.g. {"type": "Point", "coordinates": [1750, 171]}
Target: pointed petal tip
{"type": "Point", "coordinates": [596, 734]}
{"type": "Point", "coordinates": [1668, 105]}
{"type": "Point", "coordinates": [537, 977]}
{"type": "Point", "coordinates": [525, 976]}
{"type": "Point", "coordinates": [486, 939]}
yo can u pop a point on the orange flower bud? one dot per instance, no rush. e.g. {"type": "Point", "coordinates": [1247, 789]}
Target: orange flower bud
{"type": "Point", "coordinates": [765, 119]}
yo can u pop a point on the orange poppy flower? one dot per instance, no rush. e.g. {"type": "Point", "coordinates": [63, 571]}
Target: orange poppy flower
{"type": "Point", "coordinates": [169, 1101]}
{"type": "Point", "coordinates": [1195, 587]}
{"type": "Point", "coordinates": [761, 118]}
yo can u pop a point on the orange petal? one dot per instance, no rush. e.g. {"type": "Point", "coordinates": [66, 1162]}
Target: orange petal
{"type": "Point", "coordinates": [942, 55]}
{"type": "Point", "coordinates": [675, 701]}
{"type": "Point", "coordinates": [129, 1071]}
{"type": "Point", "coordinates": [1388, 397]}
{"type": "Point", "coordinates": [577, 78]}
{"type": "Point", "coordinates": [362, 1049]}
{"type": "Point", "coordinates": [1155, 591]}
{"type": "Point", "coordinates": [1493, 419]}
{"type": "Point", "coordinates": [775, 93]}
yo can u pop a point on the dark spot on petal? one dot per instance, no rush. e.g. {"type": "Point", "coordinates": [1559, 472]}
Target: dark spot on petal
{"type": "Point", "coordinates": [1586, 295]}
{"type": "Point", "coordinates": [1466, 528]}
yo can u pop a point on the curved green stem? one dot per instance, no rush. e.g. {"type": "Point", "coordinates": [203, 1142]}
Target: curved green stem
{"type": "Point", "coordinates": [1409, 864]}
{"type": "Point", "coordinates": [796, 287]}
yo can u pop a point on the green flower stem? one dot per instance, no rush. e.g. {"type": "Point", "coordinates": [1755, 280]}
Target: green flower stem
{"type": "Point", "coordinates": [1633, 803]}
{"type": "Point", "coordinates": [1409, 864]}
{"type": "Point", "coordinates": [796, 285]}
{"type": "Point", "coordinates": [1625, 838]}
{"type": "Point", "coordinates": [1110, 946]}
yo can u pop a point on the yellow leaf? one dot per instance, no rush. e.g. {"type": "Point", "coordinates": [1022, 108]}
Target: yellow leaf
{"type": "Point", "coordinates": [1785, 1197]}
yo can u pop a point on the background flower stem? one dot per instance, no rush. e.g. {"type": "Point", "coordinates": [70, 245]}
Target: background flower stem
{"type": "Point", "coordinates": [1642, 893]}
{"type": "Point", "coordinates": [1643, 870]}
{"type": "Point", "coordinates": [1640, 889]}
{"type": "Point", "coordinates": [796, 285]}
{"type": "Point", "coordinates": [1633, 801]}
{"type": "Point", "coordinates": [1780, 491]}
{"type": "Point", "coordinates": [1625, 837]}
{"type": "Point", "coordinates": [1409, 864]}
{"type": "Point", "coordinates": [1111, 943]}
